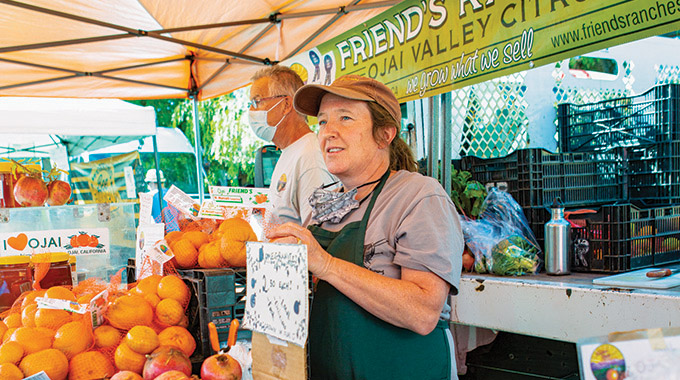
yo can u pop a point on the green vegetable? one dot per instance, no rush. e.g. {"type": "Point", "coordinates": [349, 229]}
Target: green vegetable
{"type": "Point", "coordinates": [466, 193]}
{"type": "Point", "coordinates": [514, 256]}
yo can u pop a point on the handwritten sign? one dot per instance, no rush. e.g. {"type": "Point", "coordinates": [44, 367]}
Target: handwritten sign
{"type": "Point", "coordinates": [239, 196]}
{"type": "Point", "coordinates": [276, 291]}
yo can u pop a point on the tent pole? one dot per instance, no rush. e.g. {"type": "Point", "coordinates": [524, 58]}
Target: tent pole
{"type": "Point", "coordinates": [158, 177]}
{"type": "Point", "coordinates": [197, 148]}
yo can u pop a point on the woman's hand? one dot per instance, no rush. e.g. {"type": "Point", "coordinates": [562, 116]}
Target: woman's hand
{"type": "Point", "coordinates": [318, 260]}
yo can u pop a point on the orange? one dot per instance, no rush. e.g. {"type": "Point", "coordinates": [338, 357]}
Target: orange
{"type": "Point", "coordinates": [185, 252]}
{"type": "Point", "coordinates": [12, 320]}
{"type": "Point", "coordinates": [235, 232]}
{"type": "Point", "coordinates": [31, 339]}
{"type": "Point", "coordinates": [11, 352]}
{"type": "Point", "coordinates": [90, 365]}
{"type": "Point", "coordinates": [184, 322]}
{"type": "Point", "coordinates": [128, 360]}
{"type": "Point", "coordinates": [9, 371]}
{"type": "Point", "coordinates": [175, 288]}
{"type": "Point", "coordinates": [210, 256]}
{"type": "Point", "coordinates": [238, 229]}
{"type": "Point", "coordinates": [128, 311]}
{"type": "Point", "coordinates": [141, 339]}
{"type": "Point", "coordinates": [106, 336]}
{"type": "Point", "coordinates": [31, 296]}
{"type": "Point", "coordinates": [8, 334]}
{"type": "Point", "coordinates": [51, 318]}
{"type": "Point", "coordinates": [51, 360]}
{"type": "Point", "coordinates": [152, 299]}
{"type": "Point", "coordinates": [173, 236]}
{"type": "Point", "coordinates": [60, 292]}
{"type": "Point", "coordinates": [178, 337]}
{"type": "Point", "coordinates": [169, 312]}
{"type": "Point", "coordinates": [3, 328]}
{"type": "Point", "coordinates": [233, 252]}
{"type": "Point", "coordinates": [197, 238]}
{"type": "Point", "coordinates": [73, 338]}
{"type": "Point", "coordinates": [86, 298]}
{"type": "Point", "coordinates": [28, 315]}
{"type": "Point", "coordinates": [148, 285]}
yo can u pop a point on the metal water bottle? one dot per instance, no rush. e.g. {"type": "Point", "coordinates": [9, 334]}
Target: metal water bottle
{"type": "Point", "coordinates": [557, 239]}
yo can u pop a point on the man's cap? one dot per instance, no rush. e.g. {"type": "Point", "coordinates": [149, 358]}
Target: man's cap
{"type": "Point", "coordinates": [151, 176]}
{"type": "Point", "coordinates": [308, 98]}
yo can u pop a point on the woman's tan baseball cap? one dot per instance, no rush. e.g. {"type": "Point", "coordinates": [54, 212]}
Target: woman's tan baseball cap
{"type": "Point", "coordinates": [308, 97]}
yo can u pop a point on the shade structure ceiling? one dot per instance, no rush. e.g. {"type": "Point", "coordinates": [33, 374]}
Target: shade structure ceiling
{"type": "Point", "coordinates": [154, 49]}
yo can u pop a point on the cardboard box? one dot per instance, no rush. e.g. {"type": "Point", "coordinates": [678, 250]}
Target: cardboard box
{"type": "Point", "coordinates": [277, 360]}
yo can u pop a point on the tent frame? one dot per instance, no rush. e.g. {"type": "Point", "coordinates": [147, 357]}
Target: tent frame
{"type": "Point", "coordinates": [193, 90]}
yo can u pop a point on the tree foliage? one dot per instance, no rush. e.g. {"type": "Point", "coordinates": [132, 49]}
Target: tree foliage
{"type": "Point", "coordinates": [227, 144]}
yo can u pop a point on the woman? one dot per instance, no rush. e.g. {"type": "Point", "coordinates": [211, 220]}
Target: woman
{"type": "Point", "coordinates": [386, 247]}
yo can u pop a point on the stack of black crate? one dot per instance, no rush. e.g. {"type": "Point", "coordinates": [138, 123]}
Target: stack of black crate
{"type": "Point", "coordinates": [618, 176]}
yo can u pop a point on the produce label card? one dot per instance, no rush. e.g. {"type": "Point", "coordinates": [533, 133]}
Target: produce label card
{"type": "Point", "coordinates": [211, 210]}
{"type": "Point", "coordinates": [182, 202]}
{"type": "Point", "coordinates": [277, 291]}
{"type": "Point", "coordinates": [148, 235]}
{"type": "Point", "coordinates": [79, 242]}
{"type": "Point", "coordinates": [639, 354]}
{"type": "Point", "coordinates": [240, 196]}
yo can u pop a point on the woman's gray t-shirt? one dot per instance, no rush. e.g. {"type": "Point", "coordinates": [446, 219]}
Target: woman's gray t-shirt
{"type": "Point", "coordinates": [414, 224]}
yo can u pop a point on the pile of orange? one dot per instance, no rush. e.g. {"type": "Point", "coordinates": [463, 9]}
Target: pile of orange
{"type": "Point", "coordinates": [224, 247]}
{"type": "Point", "coordinates": [64, 345]}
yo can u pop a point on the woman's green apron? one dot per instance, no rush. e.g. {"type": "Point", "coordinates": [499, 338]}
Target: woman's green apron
{"type": "Point", "coordinates": [347, 342]}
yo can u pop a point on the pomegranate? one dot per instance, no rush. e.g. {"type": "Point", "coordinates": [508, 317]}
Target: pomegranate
{"type": "Point", "coordinates": [59, 193]}
{"type": "Point", "coordinates": [126, 375]}
{"type": "Point", "coordinates": [220, 367]}
{"type": "Point", "coordinates": [30, 191]}
{"type": "Point", "coordinates": [173, 375]}
{"type": "Point", "coordinates": [164, 359]}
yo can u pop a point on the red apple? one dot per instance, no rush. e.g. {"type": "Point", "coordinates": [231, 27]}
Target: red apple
{"type": "Point", "coordinates": [220, 367]}
{"type": "Point", "coordinates": [126, 375]}
{"type": "Point", "coordinates": [164, 359]}
{"type": "Point", "coordinates": [30, 191]}
{"type": "Point", "coordinates": [59, 193]}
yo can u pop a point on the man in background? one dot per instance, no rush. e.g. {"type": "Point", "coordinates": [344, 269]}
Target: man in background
{"type": "Point", "coordinates": [300, 168]}
{"type": "Point", "coordinates": [152, 183]}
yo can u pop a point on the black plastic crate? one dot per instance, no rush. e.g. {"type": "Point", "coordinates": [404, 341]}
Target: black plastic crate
{"type": "Point", "coordinates": [535, 177]}
{"type": "Point", "coordinates": [576, 178]}
{"type": "Point", "coordinates": [218, 296]}
{"type": "Point", "coordinates": [649, 118]}
{"type": "Point", "coordinates": [620, 238]}
{"type": "Point", "coordinates": [497, 172]}
{"type": "Point", "coordinates": [653, 173]}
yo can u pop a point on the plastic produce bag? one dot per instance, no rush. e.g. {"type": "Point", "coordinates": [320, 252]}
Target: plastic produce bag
{"type": "Point", "coordinates": [500, 238]}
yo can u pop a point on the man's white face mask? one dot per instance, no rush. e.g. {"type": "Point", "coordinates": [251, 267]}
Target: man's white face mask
{"type": "Point", "coordinates": [258, 123]}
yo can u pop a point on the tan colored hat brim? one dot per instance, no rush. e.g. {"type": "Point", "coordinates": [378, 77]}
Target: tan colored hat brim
{"type": "Point", "coordinates": [308, 98]}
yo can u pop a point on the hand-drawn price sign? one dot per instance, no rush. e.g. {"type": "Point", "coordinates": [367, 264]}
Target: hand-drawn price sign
{"type": "Point", "coordinates": [276, 291]}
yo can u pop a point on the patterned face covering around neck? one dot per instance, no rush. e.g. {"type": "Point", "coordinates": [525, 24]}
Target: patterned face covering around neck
{"type": "Point", "coordinates": [333, 206]}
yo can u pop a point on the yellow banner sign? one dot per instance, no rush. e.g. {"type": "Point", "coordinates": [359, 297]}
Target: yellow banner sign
{"type": "Point", "coordinates": [424, 48]}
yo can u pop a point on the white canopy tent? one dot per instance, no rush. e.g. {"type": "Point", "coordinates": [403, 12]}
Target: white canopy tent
{"type": "Point", "coordinates": [34, 124]}
{"type": "Point", "coordinates": [59, 128]}
{"type": "Point", "coordinates": [168, 140]}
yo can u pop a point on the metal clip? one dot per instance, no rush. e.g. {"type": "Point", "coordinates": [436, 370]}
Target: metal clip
{"type": "Point", "coordinates": [4, 215]}
{"type": "Point", "coordinates": [104, 212]}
